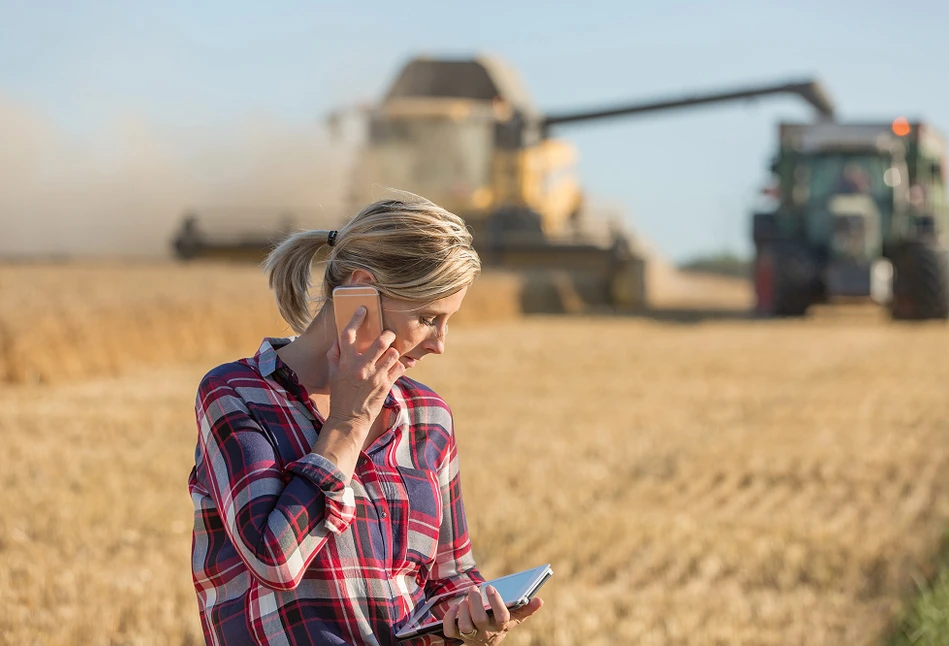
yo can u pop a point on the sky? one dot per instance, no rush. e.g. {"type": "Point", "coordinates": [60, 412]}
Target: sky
{"type": "Point", "coordinates": [116, 116]}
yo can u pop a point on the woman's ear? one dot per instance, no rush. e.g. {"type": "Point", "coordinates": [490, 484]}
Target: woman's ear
{"type": "Point", "coordinates": [361, 277]}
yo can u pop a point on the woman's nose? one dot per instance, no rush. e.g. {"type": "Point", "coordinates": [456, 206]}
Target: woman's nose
{"type": "Point", "coordinates": [436, 341]}
{"type": "Point", "coordinates": [436, 345]}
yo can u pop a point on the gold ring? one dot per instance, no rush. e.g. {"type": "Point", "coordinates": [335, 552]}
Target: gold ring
{"type": "Point", "coordinates": [470, 634]}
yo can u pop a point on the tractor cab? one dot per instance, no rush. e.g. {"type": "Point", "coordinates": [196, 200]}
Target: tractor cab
{"type": "Point", "coordinates": [857, 202]}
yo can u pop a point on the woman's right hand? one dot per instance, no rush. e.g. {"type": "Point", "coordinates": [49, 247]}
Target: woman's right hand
{"type": "Point", "coordinates": [359, 383]}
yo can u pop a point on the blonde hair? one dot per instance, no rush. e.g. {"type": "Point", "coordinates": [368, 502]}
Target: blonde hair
{"type": "Point", "coordinates": [414, 250]}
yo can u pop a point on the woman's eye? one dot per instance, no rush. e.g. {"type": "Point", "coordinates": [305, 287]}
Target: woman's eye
{"type": "Point", "coordinates": [429, 322]}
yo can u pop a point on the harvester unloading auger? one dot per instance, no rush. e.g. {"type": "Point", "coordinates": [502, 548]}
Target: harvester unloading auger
{"type": "Point", "coordinates": [464, 134]}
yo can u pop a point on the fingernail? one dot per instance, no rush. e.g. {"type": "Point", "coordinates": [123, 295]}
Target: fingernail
{"type": "Point", "coordinates": [491, 590]}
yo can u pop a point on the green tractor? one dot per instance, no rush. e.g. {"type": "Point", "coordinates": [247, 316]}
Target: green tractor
{"type": "Point", "coordinates": [861, 214]}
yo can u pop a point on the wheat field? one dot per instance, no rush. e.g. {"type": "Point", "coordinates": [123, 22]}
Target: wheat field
{"type": "Point", "coordinates": [723, 481]}
{"type": "Point", "coordinates": [98, 318]}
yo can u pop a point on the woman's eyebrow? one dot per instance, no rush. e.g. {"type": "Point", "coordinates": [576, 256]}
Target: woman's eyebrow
{"type": "Point", "coordinates": [428, 310]}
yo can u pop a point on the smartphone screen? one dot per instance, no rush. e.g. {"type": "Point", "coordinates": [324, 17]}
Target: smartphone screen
{"type": "Point", "coordinates": [346, 300]}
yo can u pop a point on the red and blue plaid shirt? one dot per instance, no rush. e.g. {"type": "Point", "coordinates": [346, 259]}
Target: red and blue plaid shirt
{"type": "Point", "coordinates": [284, 550]}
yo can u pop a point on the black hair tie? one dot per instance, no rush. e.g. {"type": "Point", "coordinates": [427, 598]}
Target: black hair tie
{"type": "Point", "coordinates": [331, 238]}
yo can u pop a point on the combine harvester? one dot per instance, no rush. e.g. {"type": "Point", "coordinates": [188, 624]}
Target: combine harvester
{"type": "Point", "coordinates": [861, 215]}
{"type": "Point", "coordinates": [464, 134]}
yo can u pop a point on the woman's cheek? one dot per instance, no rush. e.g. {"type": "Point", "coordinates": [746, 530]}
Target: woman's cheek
{"type": "Point", "coordinates": [404, 341]}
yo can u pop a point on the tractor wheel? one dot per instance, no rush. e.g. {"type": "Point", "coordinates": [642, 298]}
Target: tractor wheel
{"type": "Point", "coordinates": [920, 282]}
{"type": "Point", "coordinates": [792, 273]}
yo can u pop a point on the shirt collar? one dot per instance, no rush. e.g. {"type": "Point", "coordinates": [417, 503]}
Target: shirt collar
{"type": "Point", "coordinates": [269, 364]}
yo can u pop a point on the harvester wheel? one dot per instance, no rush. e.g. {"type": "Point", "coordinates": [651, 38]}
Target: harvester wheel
{"type": "Point", "coordinates": [920, 282]}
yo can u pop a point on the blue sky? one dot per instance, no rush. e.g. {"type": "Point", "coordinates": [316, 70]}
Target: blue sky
{"type": "Point", "coordinates": [688, 180]}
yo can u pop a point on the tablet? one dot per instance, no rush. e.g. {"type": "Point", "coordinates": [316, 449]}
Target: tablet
{"type": "Point", "coordinates": [515, 589]}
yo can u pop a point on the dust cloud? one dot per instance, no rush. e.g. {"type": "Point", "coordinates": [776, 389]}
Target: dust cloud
{"type": "Point", "coordinates": [122, 192]}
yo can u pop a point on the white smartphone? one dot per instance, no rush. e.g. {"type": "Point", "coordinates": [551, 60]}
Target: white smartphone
{"type": "Point", "coordinates": [515, 589]}
{"type": "Point", "coordinates": [346, 300]}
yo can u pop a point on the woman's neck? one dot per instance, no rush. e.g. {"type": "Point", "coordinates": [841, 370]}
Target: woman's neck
{"type": "Point", "coordinates": [306, 355]}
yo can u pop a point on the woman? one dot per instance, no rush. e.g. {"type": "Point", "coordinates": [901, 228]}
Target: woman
{"type": "Point", "coordinates": [326, 483]}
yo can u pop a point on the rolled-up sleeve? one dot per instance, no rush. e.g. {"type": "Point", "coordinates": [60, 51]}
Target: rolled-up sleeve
{"type": "Point", "coordinates": [278, 518]}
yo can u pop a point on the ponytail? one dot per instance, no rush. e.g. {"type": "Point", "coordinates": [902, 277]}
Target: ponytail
{"type": "Point", "coordinates": [290, 266]}
{"type": "Point", "coordinates": [414, 250]}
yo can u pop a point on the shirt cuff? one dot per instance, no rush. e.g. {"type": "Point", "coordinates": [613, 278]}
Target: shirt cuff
{"type": "Point", "coordinates": [340, 499]}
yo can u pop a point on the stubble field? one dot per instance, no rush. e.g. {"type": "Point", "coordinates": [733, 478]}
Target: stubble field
{"type": "Point", "coordinates": [714, 482]}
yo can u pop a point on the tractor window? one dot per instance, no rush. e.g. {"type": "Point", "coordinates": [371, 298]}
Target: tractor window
{"type": "Point", "coordinates": [821, 177]}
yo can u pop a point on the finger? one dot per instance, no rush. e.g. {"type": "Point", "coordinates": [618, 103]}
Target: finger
{"type": "Point", "coordinates": [349, 332]}
{"type": "Point", "coordinates": [385, 365]}
{"type": "Point", "coordinates": [387, 358]}
{"type": "Point", "coordinates": [395, 371]}
{"type": "Point", "coordinates": [358, 315]}
{"type": "Point", "coordinates": [380, 349]}
{"type": "Point", "coordinates": [449, 623]}
{"type": "Point", "coordinates": [380, 345]}
{"type": "Point", "coordinates": [333, 353]}
{"type": "Point", "coordinates": [465, 625]}
{"type": "Point", "coordinates": [501, 614]}
{"type": "Point", "coordinates": [478, 613]}
{"type": "Point", "coordinates": [521, 614]}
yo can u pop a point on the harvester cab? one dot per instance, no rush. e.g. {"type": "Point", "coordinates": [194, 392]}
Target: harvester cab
{"type": "Point", "coordinates": [861, 214]}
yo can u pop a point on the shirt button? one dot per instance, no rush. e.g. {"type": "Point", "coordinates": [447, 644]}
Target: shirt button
{"type": "Point", "coordinates": [383, 514]}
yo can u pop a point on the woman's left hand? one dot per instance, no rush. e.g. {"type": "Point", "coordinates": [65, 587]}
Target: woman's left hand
{"type": "Point", "coordinates": [468, 620]}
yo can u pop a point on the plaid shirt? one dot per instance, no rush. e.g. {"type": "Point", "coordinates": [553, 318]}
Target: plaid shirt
{"type": "Point", "coordinates": [284, 550]}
